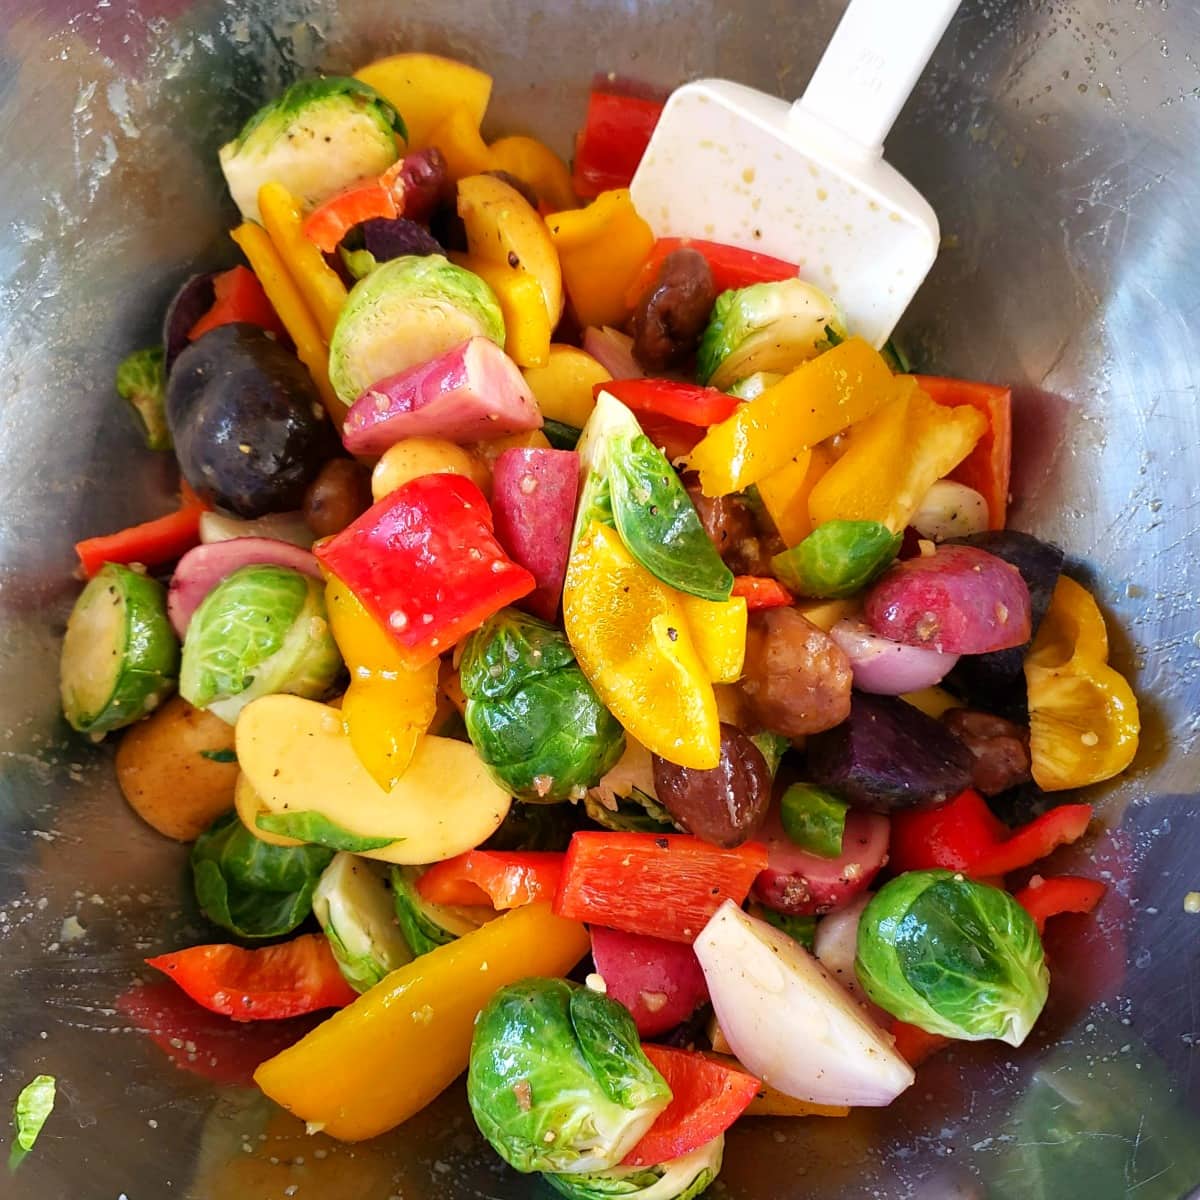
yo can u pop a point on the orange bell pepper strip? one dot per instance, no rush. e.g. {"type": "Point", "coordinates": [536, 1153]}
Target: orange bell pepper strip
{"type": "Point", "coordinates": [329, 222]}
{"type": "Point", "coordinates": [534, 163]}
{"type": "Point", "coordinates": [988, 468]}
{"type": "Point", "coordinates": [490, 877]}
{"type": "Point", "coordinates": [285, 297]}
{"type": "Point", "coordinates": [760, 591]}
{"type": "Point", "coordinates": [151, 543]}
{"type": "Point", "coordinates": [267, 984]}
{"type": "Point", "coordinates": [238, 296]}
{"type": "Point", "coordinates": [387, 1055]}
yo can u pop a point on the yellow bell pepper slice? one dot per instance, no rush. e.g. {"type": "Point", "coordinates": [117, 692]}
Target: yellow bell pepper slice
{"type": "Point", "coordinates": [425, 89]}
{"type": "Point", "coordinates": [785, 493]}
{"type": "Point", "coordinates": [718, 629]}
{"type": "Point", "coordinates": [503, 229]}
{"type": "Point", "coordinates": [932, 701]}
{"type": "Point", "coordinates": [825, 614]}
{"type": "Point", "coordinates": [285, 298]}
{"type": "Point", "coordinates": [563, 385]}
{"type": "Point", "coordinates": [602, 248]}
{"type": "Point", "coordinates": [387, 707]}
{"type": "Point", "coordinates": [526, 321]}
{"type": "Point", "coordinates": [466, 153]}
{"type": "Point", "coordinates": [1084, 723]}
{"type": "Point", "coordinates": [894, 458]}
{"type": "Point", "coordinates": [323, 291]}
{"type": "Point", "coordinates": [383, 1058]}
{"type": "Point", "coordinates": [536, 164]}
{"type": "Point", "coordinates": [818, 399]}
{"type": "Point", "coordinates": [631, 637]}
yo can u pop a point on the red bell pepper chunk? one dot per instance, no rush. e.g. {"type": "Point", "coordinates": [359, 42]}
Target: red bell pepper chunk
{"type": "Point", "coordinates": [686, 402]}
{"type": "Point", "coordinates": [914, 1044]}
{"type": "Point", "coordinates": [503, 880]}
{"type": "Point", "coordinates": [267, 984]}
{"type": "Point", "coordinates": [612, 141]}
{"type": "Point", "coordinates": [329, 222]}
{"type": "Point", "coordinates": [988, 468]}
{"type": "Point", "coordinates": [663, 885]}
{"type": "Point", "coordinates": [760, 591]}
{"type": "Point", "coordinates": [151, 543]}
{"type": "Point", "coordinates": [239, 298]}
{"type": "Point", "coordinates": [1049, 897]}
{"type": "Point", "coordinates": [706, 1098]}
{"type": "Point", "coordinates": [731, 266]}
{"type": "Point", "coordinates": [426, 565]}
{"type": "Point", "coordinates": [964, 835]}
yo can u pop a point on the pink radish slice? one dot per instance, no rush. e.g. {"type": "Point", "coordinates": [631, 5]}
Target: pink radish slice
{"type": "Point", "coordinates": [801, 884]}
{"type": "Point", "coordinates": [533, 505]}
{"type": "Point", "coordinates": [659, 982]}
{"type": "Point", "coordinates": [472, 393]}
{"type": "Point", "coordinates": [613, 350]}
{"type": "Point", "coordinates": [958, 600]}
{"type": "Point", "coordinates": [885, 667]}
{"type": "Point", "coordinates": [202, 568]}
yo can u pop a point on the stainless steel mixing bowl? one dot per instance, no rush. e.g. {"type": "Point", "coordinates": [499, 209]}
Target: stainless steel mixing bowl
{"type": "Point", "coordinates": [1059, 141]}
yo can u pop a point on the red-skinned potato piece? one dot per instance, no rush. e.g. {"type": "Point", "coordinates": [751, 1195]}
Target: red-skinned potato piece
{"type": "Point", "coordinates": [203, 567]}
{"type": "Point", "coordinates": [801, 884]}
{"type": "Point", "coordinates": [959, 600]}
{"type": "Point", "coordinates": [471, 393]}
{"type": "Point", "coordinates": [660, 982]}
{"type": "Point", "coordinates": [533, 503]}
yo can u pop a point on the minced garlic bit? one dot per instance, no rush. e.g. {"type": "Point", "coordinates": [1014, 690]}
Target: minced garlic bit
{"type": "Point", "coordinates": [595, 983]}
{"type": "Point", "coordinates": [1191, 902]}
{"type": "Point", "coordinates": [654, 1001]}
{"type": "Point", "coordinates": [927, 548]}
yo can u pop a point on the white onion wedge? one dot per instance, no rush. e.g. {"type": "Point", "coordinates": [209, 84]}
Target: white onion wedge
{"type": "Point", "coordinates": [788, 1022]}
{"type": "Point", "coordinates": [888, 668]}
{"type": "Point", "coordinates": [836, 947]}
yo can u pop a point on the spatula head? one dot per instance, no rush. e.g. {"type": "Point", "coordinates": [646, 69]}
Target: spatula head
{"type": "Point", "coordinates": [734, 165]}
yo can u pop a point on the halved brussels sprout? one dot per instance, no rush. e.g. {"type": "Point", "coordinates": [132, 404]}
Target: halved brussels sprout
{"type": "Point", "coordinates": [766, 327]}
{"type": "Point", "coordinates": [425, 925]}
{"type": "Point", "coordinates": [261, 630]}
{"type": "Point", "coordinates": [682, 1178]}
{"type": "Point", "coordinates": [405, 312]}
{"type": "Point", "coordinates": [531, 713]}
{"type": "Point", "coordinates": [628, 483]}
{"type": "Point", "coordinates": [142, 384]}
{"type": "Point", "coordinates": [353, 904]}
{"type": "Point", "coordinates": [120, 656]}
{"type": "Point", "coordinates": [250, 887]}
{"type": "Point", "coordinates": [837, 559]}
{"type": "Point", "coordinates": [557, 1079]}
{"type": "Point", "coordinates": [754, 385]}
{"type": "Point", "coordinates": [320, 136]}
{"type": "Point", "coordinates": [953, 957]}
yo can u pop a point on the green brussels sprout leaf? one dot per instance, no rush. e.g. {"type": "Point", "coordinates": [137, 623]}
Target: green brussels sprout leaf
{"type": "Point", "coordinates": [635, 812]}
{"type": "Point", "coordinates": [34, 1105]}
{"type": "Point", "coordinates": [837, 559]}
{"type": "Point", "coordinates": [772, 746]}
{"type": "Point", "coordinates": [814, 819]}
{"type": "Point", "coordinates": [952, 956]}
{"type": "Point", "coordinates": [319, 830]}
{"type": "Point", "coordinates": [252, 888]}
{"type": "Point", "coordinates": [560, 1084]}
{"type": "Point", "coordinates": [261, 630]}
{"type": "Point", "coordinates": [682, 1178]}
{"type": "Point", "coordinates": [142, 384]}
{"type": "Point", "coordinates": [799, 929]}
{"type": "Point", "coordinates": [532, 715]}
{"type": "Point", "coordinates": [771, 327]}
{"type": "Point", "coordinates": [627, 476]}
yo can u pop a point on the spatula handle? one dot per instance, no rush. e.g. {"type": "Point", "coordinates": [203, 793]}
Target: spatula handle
{"type": "Point", "coordinates": [871, 65]}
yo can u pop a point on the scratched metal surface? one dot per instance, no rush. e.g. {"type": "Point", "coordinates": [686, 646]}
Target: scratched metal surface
{"type": "Point", "coordinates": [1059, 143]}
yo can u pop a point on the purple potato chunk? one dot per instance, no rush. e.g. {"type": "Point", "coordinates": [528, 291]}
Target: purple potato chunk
{"type": "Point", "coordinates": [888, 755]}
{"type": "Point", "coordinates": [388, 238]}
{"type": "Point", "coordinates": [193, 299]}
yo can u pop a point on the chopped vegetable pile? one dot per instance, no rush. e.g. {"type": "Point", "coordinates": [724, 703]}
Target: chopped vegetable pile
{"type": "Point", "coordinates": [550, 603]}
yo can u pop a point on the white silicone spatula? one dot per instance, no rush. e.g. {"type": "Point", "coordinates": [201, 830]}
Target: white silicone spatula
{"type": "Point", "coordinates": [806, 182]}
